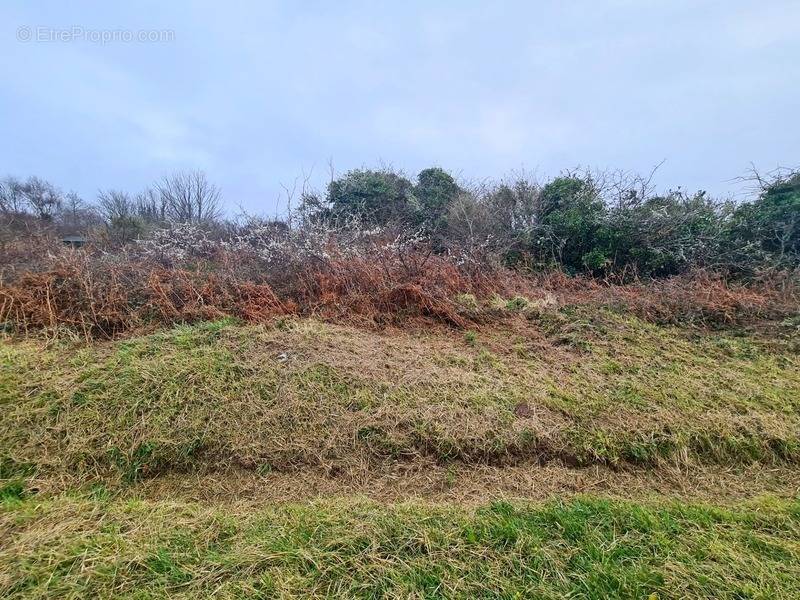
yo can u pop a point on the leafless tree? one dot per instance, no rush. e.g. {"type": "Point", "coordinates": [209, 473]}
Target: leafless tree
{"type": "Point", "coordinates": [76, 214]}
{"type": "Point", "coordinates": [470, 227]}
{"type": "Point", "coordinates": [44, 199]}
{"type": "Point", "coordinates": [151, 206]}
{"type": "Point", "coordinates": [625, 189]}
{"type": "Point", "coordinates": [119, 212]}
{"type": "Point", "coordinates": [115, 205]}
{"type": "Point", "coordinates": [12, 198]}
{"type": "Point", "coordinates": [189, 197]}
{"type": "Point", "coordinates": [516, 203]}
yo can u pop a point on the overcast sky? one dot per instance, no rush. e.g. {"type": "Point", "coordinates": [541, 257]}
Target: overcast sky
{"type": "Point", "coordinates": [256, 93]}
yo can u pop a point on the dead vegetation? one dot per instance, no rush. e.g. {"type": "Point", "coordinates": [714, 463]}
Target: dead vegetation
{"type": "Point", "coordinates": [106, 298]}
{"type": "Point", "coordinates": [464, 485]}
{"type": "Point", "coordinates": [108, 295]}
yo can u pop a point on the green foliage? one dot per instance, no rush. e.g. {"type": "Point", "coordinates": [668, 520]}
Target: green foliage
{"type": "Point", "coordinates": [664, 235]}
{"type": "Point", "coordinates": [434, 192]}
{"type": "Point", "coordinates": [770, 226]}
{"type": "Point", "coordinates": [126, 228]}
{"type": "Point", "coordinates": [570, 219]}
{"type": "Point", "coordinates": [517, 304]}
{"type": "Point", "coordinates": [566, 193]}
{"type": "Point", "coordinates": [12, 491]}
{"type": "Point", "coordinates": [595, 260]}
{"type": "Point", "coordinates": [570, 224]}
{"type": "Point", "coordinates": [371, 197]}
{"type": "Point", "coordinates": [384, 197]}
{"type": "Point", "coordinates": [578, 223]}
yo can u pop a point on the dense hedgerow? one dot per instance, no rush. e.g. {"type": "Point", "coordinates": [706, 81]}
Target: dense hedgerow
{"type": "Point", "coordinates": [380, 247]}
{"type": "Point", "coordinates": [580, 221]}
{"type": "Point", "coordinates": [379, 283]}
{"type": "Point", "coordinates": [596, 223]}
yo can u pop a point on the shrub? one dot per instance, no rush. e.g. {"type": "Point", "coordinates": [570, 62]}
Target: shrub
{"type": "Point", "coordinates": [371, 197]}
{"type": "Point", "coordinates": [435, 191]}
{"type": "Point", "coordinates": [768, 230]}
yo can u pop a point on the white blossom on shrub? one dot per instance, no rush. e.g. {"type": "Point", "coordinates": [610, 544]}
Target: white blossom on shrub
{"type": "Point", "coordinates": [178, 243]}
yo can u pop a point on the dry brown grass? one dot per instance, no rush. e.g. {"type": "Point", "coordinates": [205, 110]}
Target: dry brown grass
{"type": "Point", "coordinates": [706, 298]}
{"type": "Point", "coordinates": [464, 485]}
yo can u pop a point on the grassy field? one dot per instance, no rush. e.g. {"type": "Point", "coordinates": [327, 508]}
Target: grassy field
{"type": "Point", "coordinates": [580, 389]}
{"type": "Point", "coordinates": [584, 548]}
{"type": "Point", "coordinates": [577, 451]}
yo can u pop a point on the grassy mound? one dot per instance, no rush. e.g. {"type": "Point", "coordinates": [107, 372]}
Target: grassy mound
{"type": "Point", "coordinates": [575, 385]}
{"type": "Point", "coordinates": [585, 548]}
{"type": "Point", "coordinates": [164, 465]}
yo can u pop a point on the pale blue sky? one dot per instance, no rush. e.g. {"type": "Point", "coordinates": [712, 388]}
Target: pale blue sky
{"type": "Point", "coordinates": [255, 93]}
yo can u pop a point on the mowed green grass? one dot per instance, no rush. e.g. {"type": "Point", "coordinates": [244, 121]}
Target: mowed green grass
{"type": "Point", "coordinates": [576, 385]}
{"type": "Point", "coordinates": [93, 547]}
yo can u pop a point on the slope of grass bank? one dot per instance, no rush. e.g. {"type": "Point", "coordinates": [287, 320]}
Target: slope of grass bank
{"type": "Point", "coordinates": [576, 386]}
{"type": "Point", "coordinates": [585, 548]}
{"type": "Point", "coordinates": [230, 460]}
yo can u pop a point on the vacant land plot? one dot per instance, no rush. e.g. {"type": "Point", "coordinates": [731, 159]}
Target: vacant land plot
{"type": "Point", "coordinates": [571, 451]}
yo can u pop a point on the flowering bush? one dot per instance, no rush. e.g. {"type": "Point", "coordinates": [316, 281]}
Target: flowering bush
{"type": "Point", "coordinates": [178, 243]}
